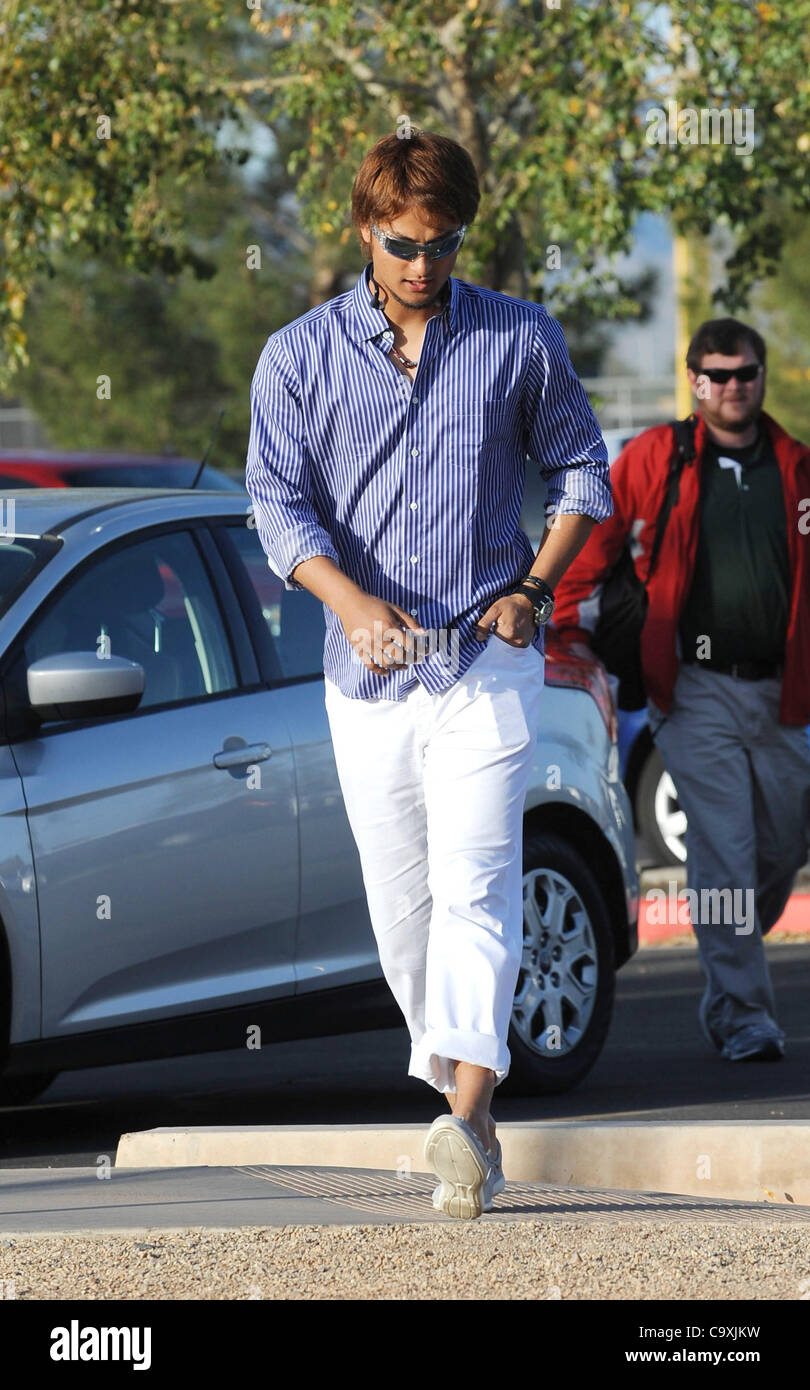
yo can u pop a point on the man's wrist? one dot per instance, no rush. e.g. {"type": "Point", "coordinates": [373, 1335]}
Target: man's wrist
{"type": "Point", "coordinates": [328, 582]}
{"type": "Point", "coordinates": [525, 600]}
{"type": "Point", "coordinates": [541, 585]}
{"type": "Point", "coordinates": [540, 597]}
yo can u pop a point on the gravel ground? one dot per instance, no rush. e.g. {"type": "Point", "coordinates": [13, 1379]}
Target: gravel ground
{"type": "Point", "coordinates": [625, 1260]}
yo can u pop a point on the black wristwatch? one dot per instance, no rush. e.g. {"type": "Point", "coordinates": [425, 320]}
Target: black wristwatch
{"type": "Point", "coordinates": [541, 595]}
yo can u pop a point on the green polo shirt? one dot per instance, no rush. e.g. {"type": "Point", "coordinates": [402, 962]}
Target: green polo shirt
{"type": "Point", "coordinates": [740, 593]}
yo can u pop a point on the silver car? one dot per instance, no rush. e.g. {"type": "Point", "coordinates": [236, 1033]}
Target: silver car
{"type": "Point", "coordinates": [177, 864]}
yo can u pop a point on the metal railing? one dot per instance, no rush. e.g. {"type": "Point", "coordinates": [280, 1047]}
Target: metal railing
{"type": "Point", "coordinates": [631, 403]}
{"type": "Point", "coordinates": [20, 429]}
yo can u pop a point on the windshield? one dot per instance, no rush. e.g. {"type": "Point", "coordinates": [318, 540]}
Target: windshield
{"type": "Point", "coordinates": [20, 559]}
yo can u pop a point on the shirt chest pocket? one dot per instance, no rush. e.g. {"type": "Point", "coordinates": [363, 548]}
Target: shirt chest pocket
{"type": "Point", "coordinates": [476, 430]}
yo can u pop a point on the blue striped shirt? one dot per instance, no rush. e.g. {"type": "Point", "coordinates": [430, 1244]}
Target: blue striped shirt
{"type": "Point", "coordinates": [414, 488]}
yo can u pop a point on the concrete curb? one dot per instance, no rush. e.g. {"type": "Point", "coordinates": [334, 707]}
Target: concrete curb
{"type": "Point", "coordinates": [761, 1161]}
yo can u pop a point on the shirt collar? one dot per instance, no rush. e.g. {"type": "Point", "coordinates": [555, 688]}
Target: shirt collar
{"type": "Point", "coordinates": [371, 322]}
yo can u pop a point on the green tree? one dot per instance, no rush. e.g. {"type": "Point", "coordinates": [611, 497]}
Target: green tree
{"type": "Point", "coordinates": [779, 309]}
{"type": "Point", "coordinates": [551, 99]}
{"type": "Point", "coordinates": [781, 312]}
{"type": "Point", "coordinates": [177, 350]}
{"type": "Point", "coordinates": [107, 110]}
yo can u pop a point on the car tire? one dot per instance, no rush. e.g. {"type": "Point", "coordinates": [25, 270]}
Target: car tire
{"type": "Point", "coordinates": [20, 1090]}
{"type": "Point", "coordinates": [659, 817]}
{"type": "Point", "coordinates": [580, 944]}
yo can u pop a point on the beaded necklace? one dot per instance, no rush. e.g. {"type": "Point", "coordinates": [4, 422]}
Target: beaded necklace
{"type": "Point", "coordinates": [404, 361]}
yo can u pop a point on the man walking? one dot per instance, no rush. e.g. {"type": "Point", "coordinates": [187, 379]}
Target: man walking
{"type": "Point", "coordinates": [390, 427]}
{"type": "Point", "coordinates": [725, 654]}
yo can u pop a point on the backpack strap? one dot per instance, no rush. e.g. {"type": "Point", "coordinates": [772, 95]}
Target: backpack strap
{"type": "Point", "coordinates": [682, 454]}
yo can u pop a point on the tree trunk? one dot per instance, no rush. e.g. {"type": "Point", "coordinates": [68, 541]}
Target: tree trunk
{"type": "Point", "coordinates": [326, 277]}
{"type": "Point", "coordinates": [506, 268]}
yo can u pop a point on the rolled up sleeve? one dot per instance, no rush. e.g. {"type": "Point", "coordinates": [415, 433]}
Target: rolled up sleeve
{"type": "Point", "coordinates": [562, 432]}
{"type": "Point", "coordinates": [277, 471]}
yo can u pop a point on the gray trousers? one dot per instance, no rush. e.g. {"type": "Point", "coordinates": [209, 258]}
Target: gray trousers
{"type": "Point", "coordinates": [743, 780]}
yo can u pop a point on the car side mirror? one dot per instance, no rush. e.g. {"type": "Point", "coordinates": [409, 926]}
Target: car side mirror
{"type": "Point", "coordinates": [77, 685]}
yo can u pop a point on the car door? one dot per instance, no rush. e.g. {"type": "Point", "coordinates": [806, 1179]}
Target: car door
{"type": "Point", "coordinates": [165, 842]}
{"type": "Point", "coordinates": [335, 943]}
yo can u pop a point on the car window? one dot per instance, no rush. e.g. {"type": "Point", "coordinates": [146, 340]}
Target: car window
{"type": "Point", "coordinates": [151, 602]}
{"type": "Point", "coordinates": [294, 618]}
{"type": "Point", "coordinates": [21, 557]}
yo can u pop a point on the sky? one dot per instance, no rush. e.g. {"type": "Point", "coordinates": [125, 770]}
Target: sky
{"type": "Point", "coordinates": [649, 349]}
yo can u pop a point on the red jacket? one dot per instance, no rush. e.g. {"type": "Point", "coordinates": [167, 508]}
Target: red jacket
{"type": "Point", "coordinates": [638, 478]}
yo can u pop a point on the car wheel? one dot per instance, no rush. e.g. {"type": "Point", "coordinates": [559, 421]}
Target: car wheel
{"type": "Point", "coordinates": [19, 1090]}
{"type": "Point", "coordinates": [564, 996]}
{"type": "Point", "coordinates": [658, 812]}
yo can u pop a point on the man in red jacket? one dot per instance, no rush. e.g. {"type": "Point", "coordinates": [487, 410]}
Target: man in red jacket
{"type": "Point", "coordinates": [725, 653]}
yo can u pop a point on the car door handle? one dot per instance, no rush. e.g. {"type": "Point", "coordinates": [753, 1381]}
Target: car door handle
{"type": "Point", "coordinates": [239, 757]}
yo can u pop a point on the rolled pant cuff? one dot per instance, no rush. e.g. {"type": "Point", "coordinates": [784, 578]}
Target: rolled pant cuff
{"type": "Point", "coordinates": [431, 1058]}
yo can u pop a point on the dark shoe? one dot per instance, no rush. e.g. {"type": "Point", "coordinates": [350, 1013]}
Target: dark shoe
{"type": "Point", "coordinates": [755, 1043]}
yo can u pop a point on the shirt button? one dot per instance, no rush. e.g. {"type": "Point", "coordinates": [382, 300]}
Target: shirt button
{"type": "Point", "coordinates": [413, 612]}
{"type": "Point", "coordinates": [414, 559]}
{"type": "Point", "coordinates": [414, 505]}
{"type": "Point", "coordinates": [415, 400]}
{"type": "Point", "coordinates": [414, 452]}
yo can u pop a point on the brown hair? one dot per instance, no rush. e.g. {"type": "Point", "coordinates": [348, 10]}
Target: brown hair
{"type": "Point", "coordinates": [726, 337]}
{"type": "Point", "coordinates": [428, 170]}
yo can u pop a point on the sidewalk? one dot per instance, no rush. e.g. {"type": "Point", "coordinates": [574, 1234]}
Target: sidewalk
{"type": "Point", "coordinates": [727, 1160]}
{"type": "Point", "coordinates": [309, 1233]}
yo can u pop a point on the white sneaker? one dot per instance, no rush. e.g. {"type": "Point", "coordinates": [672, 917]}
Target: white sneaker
{"type": "Point", "coordinates": [494, 1183]}
{"type": "Point", "coordinates": [470, 1177]}
{"type": "Point", "coordinates": [497, 1181]}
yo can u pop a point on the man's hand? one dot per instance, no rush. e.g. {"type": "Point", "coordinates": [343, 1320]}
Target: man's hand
{"type": "Point", "coordinates": [511, 618]}
{"type": "Point", "coordinates": [380, 632]}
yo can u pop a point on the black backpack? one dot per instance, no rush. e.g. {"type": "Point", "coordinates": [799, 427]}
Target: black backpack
{"type": "Point", "coordinates": [616, 639]}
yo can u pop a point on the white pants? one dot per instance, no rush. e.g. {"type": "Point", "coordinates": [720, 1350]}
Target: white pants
{"type": "Point", "coordinates": [434, 788]}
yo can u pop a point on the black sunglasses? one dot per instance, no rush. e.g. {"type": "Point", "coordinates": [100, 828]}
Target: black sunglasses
{"type": "Point", "coordinates": [406, 250]}
{"type": "Point", "coordinates": [721, 375]}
